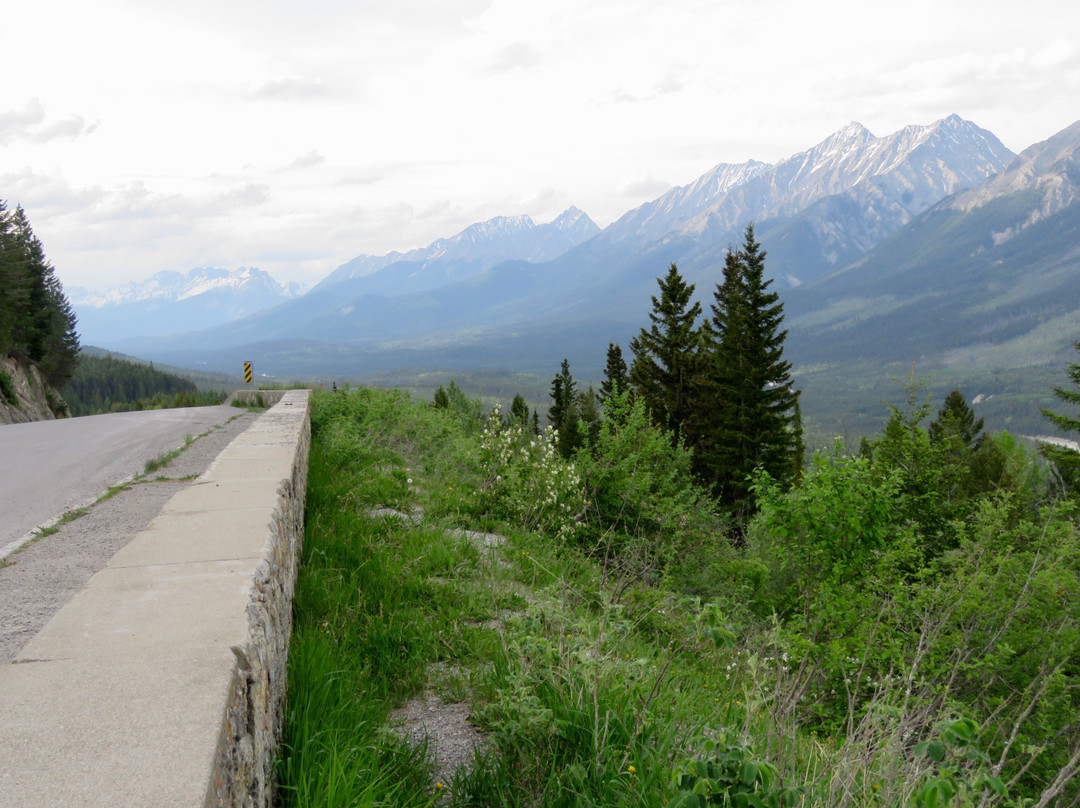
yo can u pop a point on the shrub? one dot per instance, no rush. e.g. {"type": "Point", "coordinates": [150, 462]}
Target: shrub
{"type": "Point", "coordinates": [7, 387]}
{"type": "Point", "coordinates": [526, 481]}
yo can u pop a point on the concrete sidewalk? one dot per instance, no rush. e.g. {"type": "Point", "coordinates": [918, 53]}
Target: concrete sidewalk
{"type": "Point", "coordinates": [162, 682]}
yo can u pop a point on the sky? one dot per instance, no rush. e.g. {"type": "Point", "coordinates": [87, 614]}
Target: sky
{"type": "Point", "coordinates": [142, 135]}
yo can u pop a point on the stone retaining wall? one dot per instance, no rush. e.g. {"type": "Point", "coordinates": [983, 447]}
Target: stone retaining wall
{"type": "Point", "coordinates": [251, 730]}
{"type": "Point", "coordinates": [162, 683]}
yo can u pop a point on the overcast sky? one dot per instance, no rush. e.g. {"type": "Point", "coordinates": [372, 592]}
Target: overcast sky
{"type": "Point", "coordinates": [143, 135]}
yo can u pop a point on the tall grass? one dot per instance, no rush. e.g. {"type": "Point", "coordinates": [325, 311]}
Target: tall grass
{"type": "Point", "coordinates": [594, 687]}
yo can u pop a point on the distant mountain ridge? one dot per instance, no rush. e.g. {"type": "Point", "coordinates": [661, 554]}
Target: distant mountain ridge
{"type": "Point", "coordinates": [174, 302]}
{"type": "Point", "coordinates": [475, 249]}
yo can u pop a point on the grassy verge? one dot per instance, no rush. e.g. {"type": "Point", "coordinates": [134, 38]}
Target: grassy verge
{"type": "Point", "coordinates": [621, 652]}
{"type": "Point", "coordinates": [589, 690]}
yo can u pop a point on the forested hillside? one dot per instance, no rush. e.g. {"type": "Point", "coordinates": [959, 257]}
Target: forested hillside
{"type": "Point", "coordinates": [37, 323]}
{"type": "Point", "coordinates": [107, 384]}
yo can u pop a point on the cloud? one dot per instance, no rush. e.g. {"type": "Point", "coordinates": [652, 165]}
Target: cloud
{"type": "Point", "coordinates": [49, 194]}
{"type": "Point", "coordinates": [361, 178]}
{"type": "Point", "coordinates": [249, 195]}
{"type": "Point", "coordinates": [515, 56]}
{"type": "Point", "coordinates": [646, 186]}
{"type": "Point", "coordinates": [309, 160]}
{"type": "Point", "coordinates": [31, 124]}
{"type": "Point", "coordinates": [292, 90]}
{"type": "Point", "coordinates": [670, 84]}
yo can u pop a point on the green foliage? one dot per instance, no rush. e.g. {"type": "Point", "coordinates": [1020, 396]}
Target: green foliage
{"type": "Point", "coordinates": [642, 507]}
{"type": "Point", "coordinates": [37, 322]}
{"type": "Point", "coordinates": [564, 415]}
{"type": "Point", "coordinates": [616, 375]}
{"type": "Point", "coordinates": [868, 663]}
{"type": "Point", "coordinates": [665, 354]}
{"type": "Point", "coordinates": [103, 384]}
{"type": "Point", "coordinates": [826, 532]}
{"type": "Point", "coordinates": [733, 776]}
{"type": "Point", "coordinates": [962, 774]}
{"type": "Point", "coordinates": [527, 482]}
{"type": "Point", "coordinates": [956, 425]}
{"type": "Point", "coordinates": [519, 410]}
{"type": "Point", "coordinates": [7, 387]}
{"type": "Point", "coordinates": [1066, 459]}
{"type": "Point", "coordinates": [441, 399]}
{"type": "Point", "coordinates": [745, 413]}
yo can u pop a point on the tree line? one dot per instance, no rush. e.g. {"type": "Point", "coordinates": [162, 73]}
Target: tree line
{"type": "Point", "coordinates": [719, 385]}
{"type": "Point", "coordinates": [37, 322]}
{"type": "Point", "coordinates": [104, 384]}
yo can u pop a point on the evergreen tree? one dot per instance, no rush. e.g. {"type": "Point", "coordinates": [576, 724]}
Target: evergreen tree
{"type": "Point", "coordinates": [441, 400]}
{"type": "Point", "coordinates": [519, 411]}
{"type": "Point", "coordinates": [1065, 459]}
{"type": "Point", "coordinates": [616, 376]}
{"type": "Point", "coordinates": [956, 423]}
{"type": "Point", "coordinates": [588, 408]}
{"type": "Point", "coordinates": [563, 413]}
{"type": "Point", "coordinates": [36, 319]}
{"type": "Point", "coordinates": [666, 354]}
{"type": "Point", "coordinates": [745, 411]}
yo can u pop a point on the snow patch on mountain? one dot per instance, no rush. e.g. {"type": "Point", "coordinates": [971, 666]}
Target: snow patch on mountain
{"type": "Point", "coordinates": [476, 248]}
{"type": "Point", "coordinates": [176, 286]}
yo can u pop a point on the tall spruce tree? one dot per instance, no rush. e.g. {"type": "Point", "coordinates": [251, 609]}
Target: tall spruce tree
{"type": "Point", "coordinates": [1065, 459]}
{"type": "Point", "coordinates": [616, 376]}
{"type": "Point", "coordinates": [519, 411]}
{"type": "Point", "coordinates": [746, 415]}
{"type": "Point", "coordinates": [956, 423]}
{"type": "Point", "coordinates": [666, 354]}
{"type": "Point", "coordinates": [563, 412]}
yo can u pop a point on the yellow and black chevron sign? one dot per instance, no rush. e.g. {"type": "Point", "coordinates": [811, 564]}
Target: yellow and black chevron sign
{"type": "Point", "coordinates": [247, 372]}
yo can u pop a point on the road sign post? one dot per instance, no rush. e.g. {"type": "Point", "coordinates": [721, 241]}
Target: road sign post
{"type": "Point", "coordinates": [247, 373]}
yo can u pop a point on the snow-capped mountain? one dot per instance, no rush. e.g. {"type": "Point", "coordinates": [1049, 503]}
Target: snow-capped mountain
{"type": "Point", "coordinates": [476, 248]}
{"type": "Point", "coordinates": [175, 302]}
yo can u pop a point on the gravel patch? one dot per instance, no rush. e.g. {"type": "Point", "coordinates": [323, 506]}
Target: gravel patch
{"type": "Point", "coordinates": [38, 580]}
{"type": "Point", "coordinates": [478, 538]}
{"type": "Point", "coordinates": [452, 740]}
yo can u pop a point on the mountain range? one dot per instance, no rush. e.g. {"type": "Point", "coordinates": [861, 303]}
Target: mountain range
{"type": "Point", "coordinates": [934, 246]}
{"type": "Point", "coordinates": [173, 302]}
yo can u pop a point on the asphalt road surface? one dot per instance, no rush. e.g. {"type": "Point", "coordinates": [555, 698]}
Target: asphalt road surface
{"type": "Point", "coordinates": [50, 467]}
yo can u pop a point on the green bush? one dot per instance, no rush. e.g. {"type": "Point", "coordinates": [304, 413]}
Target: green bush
{"type": "Point", "coordinates": [7, 387]}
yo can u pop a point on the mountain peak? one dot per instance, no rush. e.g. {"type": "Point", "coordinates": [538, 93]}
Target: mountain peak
{"type": "Point", "coordinates": [854, 131]}
{"type": "Point", "coordinates": [1050, 166]}
{"type": "Point", "coordinates": [574, 220]}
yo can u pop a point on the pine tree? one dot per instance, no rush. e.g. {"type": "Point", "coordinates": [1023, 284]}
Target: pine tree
{"type": "Point", "coordinates": [563, 413]}
{"type": "Point", "coordinates": [745, 411]}
{"type": "Point", "coordinates": [616, 376]}
{"type": "Point", "coordinates": [666, 354]}
{"type": "Point", "coordinates": [1065, 459]}
{"type": "Point", "coordinates": [519, 411]}
{"type": "Point", "coordinates": [588, 408]}
{"type": "Point", "coordinates": [36, 319]}
{"type": "Point", "coordinates": [956, 423]}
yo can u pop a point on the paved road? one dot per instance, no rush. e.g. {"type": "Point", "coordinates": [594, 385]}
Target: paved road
{"type": "Point", "coordinates": [49, 467]}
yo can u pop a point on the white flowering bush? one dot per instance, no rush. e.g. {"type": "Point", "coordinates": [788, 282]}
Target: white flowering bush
{"type": "Point", "coordinates": [526, 480]}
